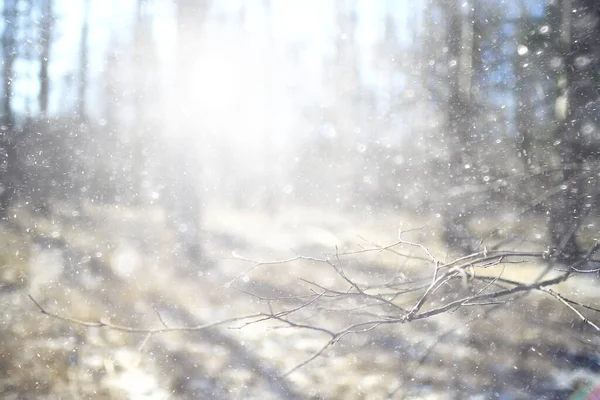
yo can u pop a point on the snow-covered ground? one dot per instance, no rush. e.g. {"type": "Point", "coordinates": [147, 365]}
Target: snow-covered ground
{"type": "Point", "coordinates": [120, 266]}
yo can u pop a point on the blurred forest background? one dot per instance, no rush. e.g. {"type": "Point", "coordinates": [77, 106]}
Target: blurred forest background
{"type": "Point", "coordinates": [466, 110]}
{"type": "Point", "coordinates": [166, 120]}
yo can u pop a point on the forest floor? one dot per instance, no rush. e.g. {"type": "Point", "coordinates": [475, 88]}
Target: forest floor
{"type": "Point", "coordinates": [121, 265]}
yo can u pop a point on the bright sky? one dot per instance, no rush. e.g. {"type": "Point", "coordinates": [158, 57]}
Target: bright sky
{"type": "Point", "coordinates": [307, 27]}
{"type": "Point", "coordinates": [252, 90]}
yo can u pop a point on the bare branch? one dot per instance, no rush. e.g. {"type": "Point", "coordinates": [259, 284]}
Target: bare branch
{"type": "Point", "coordinates": [571, 307]}
{"type": "Point", "coordinates": [363, 308]}
{"type": "Point", "coordinates": [311, 358]}
{"type": "Point", "coordinates": [277, 262]}
{"type": "Point", "coordinates": [500, 293]}
{"type": "Point", "coordinates": [131, 329]}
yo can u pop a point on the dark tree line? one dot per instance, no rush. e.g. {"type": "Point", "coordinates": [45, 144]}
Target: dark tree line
{"type": "Point", "coordinates": [525, 78]}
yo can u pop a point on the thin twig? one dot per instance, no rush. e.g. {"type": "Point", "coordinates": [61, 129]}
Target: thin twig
{"type": "Point", "coordinates": [277, 262]}
{"type": "Point", "coordinates": [161, 318]}
{"type": "Point", "coordinates": [311, 358]}
{"type": "Point", "coordinates": [571, 307]}
{"type": "Point", "coordinates": [123, 328]}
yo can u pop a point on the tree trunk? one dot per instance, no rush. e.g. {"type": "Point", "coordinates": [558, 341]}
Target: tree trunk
{"type": "Point", "coordinates": [578, 133]}
{"type": "Point", "coordinates": [459, 122]}
{"type": "Point", "coordinates": [46, 41]}
{"type": "Point", "coordinates": [8, 168]}
{"type": "Point", "coordinates": [83, 64]}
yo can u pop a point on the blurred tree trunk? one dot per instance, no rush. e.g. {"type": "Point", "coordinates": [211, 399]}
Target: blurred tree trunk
{"type": "Point", "coordinates": [8, 169]}
{"type": "Point", "coordinates": [524, 113]}
{"type": "Point", "coordinates": [83, 64]}
{"type": "Point", "coordinates": [146, 104]}
{"type": "Point", "coordinates": [578, 131]}
{"type": "Point", "coordinates": [535, 67]}
{"type": "Point", "coordinates": [271, 160]}
{"type": "Point", "coordinates": [45, 44]}
{"type": "Point", "coordinates": [459, 121]}
{"type": "Point", "coordinates": [347, 94]}
{"type": "Point", "coordinates": [9, 53]}
{"type": "Point", "coordinates": [183, 169]}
